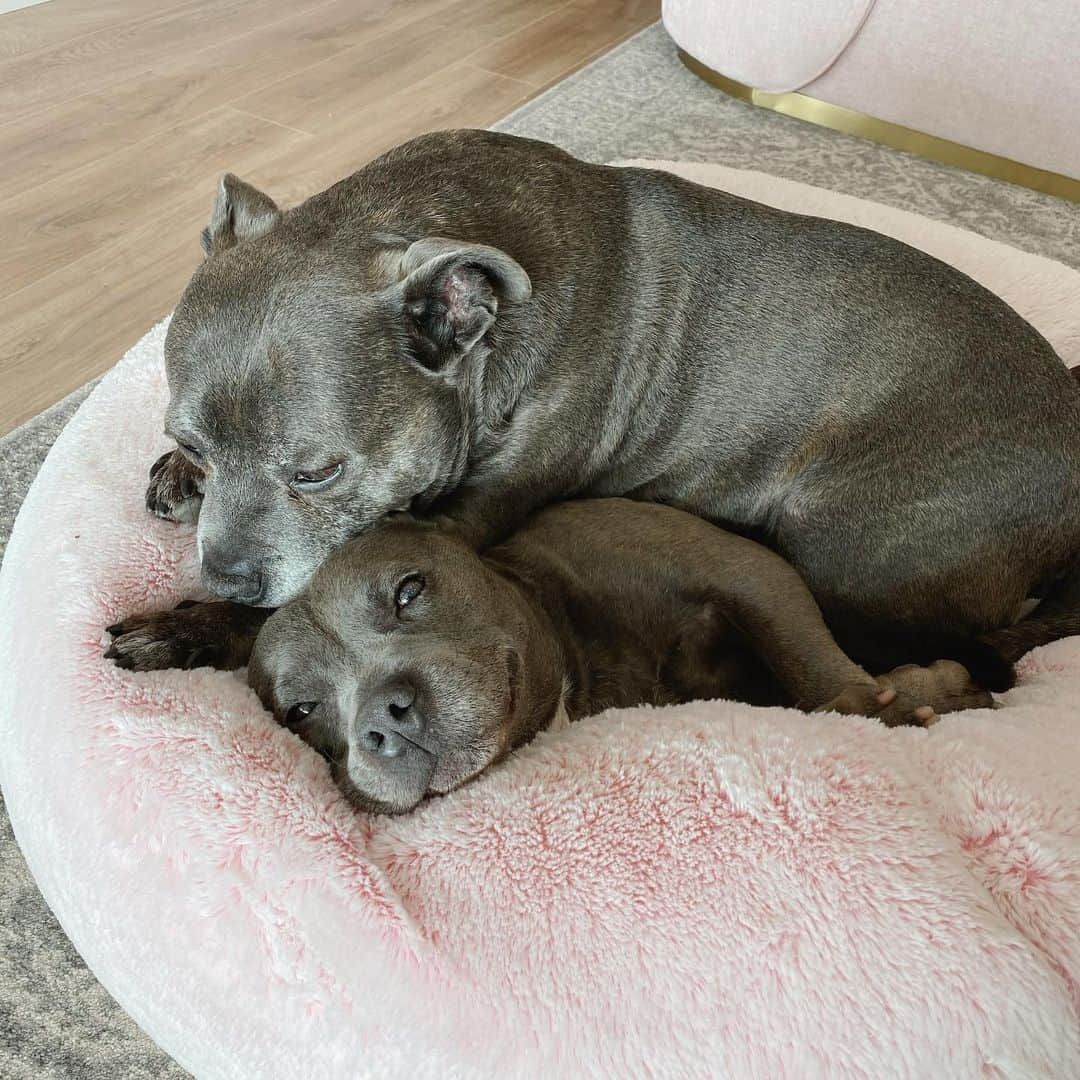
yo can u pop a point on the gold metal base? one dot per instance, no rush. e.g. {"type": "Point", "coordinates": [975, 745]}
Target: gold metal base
{"type": "Point", "coordinates": [900, 138]}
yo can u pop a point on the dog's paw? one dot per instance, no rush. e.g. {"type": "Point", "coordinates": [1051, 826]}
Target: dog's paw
{"type": "Point", "coordinates": [175, 489]}
{"type": "Point", "coordinates": [893, 707]}
{"type": "Point", "coordinates": [945, 684]}
{"type": "Point", "coordinates": [191, 635]}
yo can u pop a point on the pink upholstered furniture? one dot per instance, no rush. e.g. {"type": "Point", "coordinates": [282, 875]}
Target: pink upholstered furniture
{"type": "Point", "coordinates": [999, 76]}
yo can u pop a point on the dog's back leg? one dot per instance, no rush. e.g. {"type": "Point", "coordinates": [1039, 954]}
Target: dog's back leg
{"type": "Point", "coordinates": [882, 646]}
{"type": "Point", "coordinates": [1057, 616]}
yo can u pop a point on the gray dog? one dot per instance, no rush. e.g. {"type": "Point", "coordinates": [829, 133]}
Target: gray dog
{"type": "Point", "coordinates": [474, 326]}
{"type": "Point", "coordinates": [413, 664]}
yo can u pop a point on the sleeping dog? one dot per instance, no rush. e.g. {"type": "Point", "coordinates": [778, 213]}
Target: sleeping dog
{"type": "Point", "coordinates": [475, 326]}
{"type": "Point", "coordinates": [413, 664]}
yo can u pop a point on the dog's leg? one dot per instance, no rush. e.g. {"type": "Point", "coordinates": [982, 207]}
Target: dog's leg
{"type": "Point", "coordinates": [1057, 616]}
{"type": "Point", "coordinates": [175, 489]}
{"type": "Point", "coordinates": [789, 633]}
{"type": "Point", "coordinates": [214, 634]}
{"type": "Point", "coordinates": [771, 606]}
{"type": "Point", "coordinates": [794, 641]}
{"type": "Point", "coordinates": [721, 583]}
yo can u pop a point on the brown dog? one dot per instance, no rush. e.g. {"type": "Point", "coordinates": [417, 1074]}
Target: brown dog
{"type": "Point", "coordinates": [412, 663]}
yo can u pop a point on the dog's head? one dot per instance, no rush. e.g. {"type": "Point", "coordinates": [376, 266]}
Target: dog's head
{"type": "Point", "coordinates": [410, 664]}
{"type": "Point", "coordinates": [321, 381]}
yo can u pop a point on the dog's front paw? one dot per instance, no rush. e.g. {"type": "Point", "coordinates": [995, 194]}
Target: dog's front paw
{"type": "Point", "coordinates": [893, 707]}
{"type": "Point", "coordinates": [175, 490]}
{"type": "Point", "coordinates": [191, 635]}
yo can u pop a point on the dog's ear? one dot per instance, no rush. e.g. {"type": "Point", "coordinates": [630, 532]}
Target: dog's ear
{"type": "Point", "coordinates": [450, 295]}
{"type": "Point", "coordinates": [241, 212]}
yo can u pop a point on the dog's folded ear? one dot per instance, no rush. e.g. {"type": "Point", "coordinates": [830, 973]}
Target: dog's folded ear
{"type": "Point", "coordinates": [450, 293]}
{"type": "Point", "coordinates": [241, 212]}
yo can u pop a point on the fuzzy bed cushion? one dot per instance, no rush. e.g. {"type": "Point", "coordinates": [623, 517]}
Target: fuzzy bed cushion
{"type": "Point", "coordinates": [711, 890]}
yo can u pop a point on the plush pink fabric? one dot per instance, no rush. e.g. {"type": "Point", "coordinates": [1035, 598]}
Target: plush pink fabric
{"type": "Point", "coordinates": [711, 890]}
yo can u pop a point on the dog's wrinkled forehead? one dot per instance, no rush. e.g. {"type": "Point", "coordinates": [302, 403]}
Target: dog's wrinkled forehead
{"type": "Point", "coordinates": [369, 566]}
{"type": "Point", "coordinates": [340, 623]}
{"type": "Point", "coordinates": [285, 320]}
{"type": "Point", "coordinates": [249, 361]}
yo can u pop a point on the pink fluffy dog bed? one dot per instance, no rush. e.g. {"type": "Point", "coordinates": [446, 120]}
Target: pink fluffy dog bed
{"type": "Point", "coordinates": [711, 890]}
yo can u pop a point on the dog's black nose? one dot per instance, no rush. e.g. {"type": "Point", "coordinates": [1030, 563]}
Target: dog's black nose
{"type": "Point", "coordinates": [240, 580]}
{"type": "Point", "coordinates": [391, 720]}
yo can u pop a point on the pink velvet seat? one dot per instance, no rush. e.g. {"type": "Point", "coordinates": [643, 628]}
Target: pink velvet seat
{"type": "Point", "coordinates": [997, 76]}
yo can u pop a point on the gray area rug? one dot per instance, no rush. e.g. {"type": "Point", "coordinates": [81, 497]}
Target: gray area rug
{"type": "Point", "coordinates": [56, 1020]}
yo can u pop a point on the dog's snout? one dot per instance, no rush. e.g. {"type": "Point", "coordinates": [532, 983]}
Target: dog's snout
{"type": "Point", "coordinates": [239, 579]}
{"type": "Point", "coordinates": [390, 720]}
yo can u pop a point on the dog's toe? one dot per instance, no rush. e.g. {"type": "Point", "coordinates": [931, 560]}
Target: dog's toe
{"type": "Point", "coordinates": [161, 463]}
{"type": "Point", "coordinates": [175, 489]}
{"type": "Point", "coordinates": [885, 703]}
{"type": "Point", "coordinates": [926, 715]}
{"type": "Point", "coordinates": [190, 635]}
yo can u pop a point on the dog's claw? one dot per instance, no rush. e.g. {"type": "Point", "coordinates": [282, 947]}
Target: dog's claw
{"type": "Point", "coordinates": [175, 489]}
{"type": "Point", "coordinates": [193, 634]}
{"type": "Point", "coordinates": [892, 707]}
{"type": "Point", "coordinates": [160, 463]}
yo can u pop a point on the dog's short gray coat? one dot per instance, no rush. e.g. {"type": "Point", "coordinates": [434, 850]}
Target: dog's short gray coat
{"type": "Point", "coordinates": [476, 325]}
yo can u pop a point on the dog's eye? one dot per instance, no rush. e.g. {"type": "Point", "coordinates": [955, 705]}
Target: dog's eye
{"type": "Point", "coordinates": [408, 590]}
{"type": "Point", "coordinates": [318, 478]}
{"type": "Point", "coordinates": [299, 712]}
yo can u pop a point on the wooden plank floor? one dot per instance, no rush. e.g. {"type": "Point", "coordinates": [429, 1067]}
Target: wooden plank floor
{"type": "Point", "coordinates": [117, 117]}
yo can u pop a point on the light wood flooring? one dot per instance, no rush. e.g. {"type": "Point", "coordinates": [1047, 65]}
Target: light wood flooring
{"type": "Point", "coordinates": [118, 116]}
